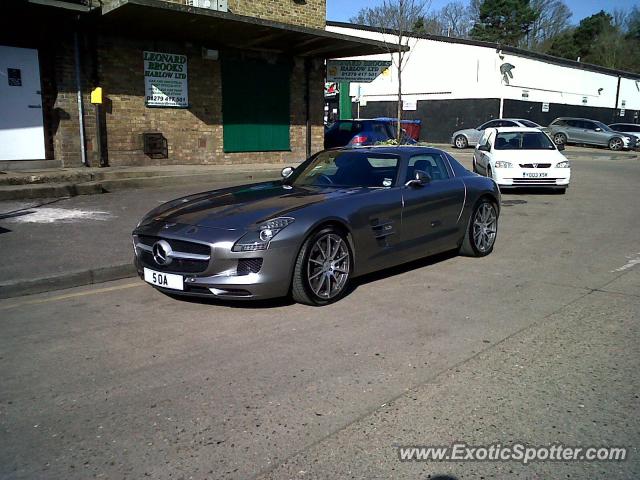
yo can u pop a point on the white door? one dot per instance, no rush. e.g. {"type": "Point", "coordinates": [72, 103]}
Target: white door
{"type": "Point", "coordinates": [21, 124]}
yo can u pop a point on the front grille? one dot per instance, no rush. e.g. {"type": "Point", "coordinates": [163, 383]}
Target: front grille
{"type": "Point", "coordinates": [178, 245]}
{"type": "Point", "coordinates": [249, 265]}
{"type": "Point", "coordinates": [535, 165]}
{"type": "Point", "coordinates": [177, 265]}
{"type": "Point", "coordinates": [534, 181]}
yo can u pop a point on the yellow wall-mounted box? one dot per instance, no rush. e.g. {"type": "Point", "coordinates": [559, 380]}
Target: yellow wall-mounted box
{"type": "Point", "coordinates": [96, 96]}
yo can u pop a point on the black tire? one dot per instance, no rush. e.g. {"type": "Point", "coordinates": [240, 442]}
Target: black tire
{"type": "Point", "coordinates": [460, 141]}
{"type": "Point", "coordinates": [469, 246]}
{"type": "Point", "coordinates": [560, 139]}
{"type": "Point", "coordinates": [301, 289]}
{"type": "Point", "coordinates": [615, 144]}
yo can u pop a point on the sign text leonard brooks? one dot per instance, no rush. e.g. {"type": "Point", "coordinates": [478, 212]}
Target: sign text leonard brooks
{"type": "Point", "coordinates": [357, 71]}
{"type": "Point", "coordinates": [165, 80]}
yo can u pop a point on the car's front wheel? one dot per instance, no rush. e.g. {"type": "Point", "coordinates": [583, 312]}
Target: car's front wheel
{"type": "Point", "coordinates": [461, 141]}
{"type": "Point", "coordinates": [323, 267]}
{"type": "Point", "coordinates": [480, 236]}
{"type": "Point", "coordinates": [616, 143]}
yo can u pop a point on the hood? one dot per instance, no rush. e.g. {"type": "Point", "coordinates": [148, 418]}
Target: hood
{"type": "Point", "coordinates": [469, 132]}
{"type": "Point", "coordinates": [239, 208]}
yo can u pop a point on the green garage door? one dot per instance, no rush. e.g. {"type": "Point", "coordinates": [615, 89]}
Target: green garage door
{"type": "Point", "coordinates": [255, 106]}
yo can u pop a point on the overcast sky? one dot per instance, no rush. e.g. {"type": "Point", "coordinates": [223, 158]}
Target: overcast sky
{"type": "Point", "coordinates": [342, 10]}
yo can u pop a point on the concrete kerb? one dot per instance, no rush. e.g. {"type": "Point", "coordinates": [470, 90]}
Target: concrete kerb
{"type": "Point", "coordinates": [66, 280]}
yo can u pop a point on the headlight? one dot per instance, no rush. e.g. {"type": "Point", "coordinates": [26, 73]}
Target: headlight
{"type": "Point", "coordinates": [501, 164]}
{"type": "Point", "coordinates": [260, 238]}
{"type": "Point", "coordinates": [565, 164]}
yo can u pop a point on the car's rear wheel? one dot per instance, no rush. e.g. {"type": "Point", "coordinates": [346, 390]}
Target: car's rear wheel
{"type": "Point", "coordinates": [480, 236]}
{"type": "Point", "coordinates": [461, 141]}
{"type": "Point", "coordinates": [616, 143]}
{"type": "Point", "coordinates": [323, 268]}
{"type": "Point", "coordinates": [560, 139]}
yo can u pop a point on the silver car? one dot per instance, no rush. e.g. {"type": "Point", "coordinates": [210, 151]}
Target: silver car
{"type": "Point", "coordinates": [629, 129]}
{"type": "Point", "coordinates": [341, 214]}
{"type": "Point", "coordinates": [471, 136]}
{"type": "Point", "coordinates": [588, 132]}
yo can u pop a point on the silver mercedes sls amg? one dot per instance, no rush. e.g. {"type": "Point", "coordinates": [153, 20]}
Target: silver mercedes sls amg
{"type": "Point", "coordinates": [340, 214]}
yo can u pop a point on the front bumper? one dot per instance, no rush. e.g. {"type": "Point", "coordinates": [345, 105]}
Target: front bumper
{"type": "Point", "coordinates": [222, 276]}
{"type": "Point", "coordinates": [515, 177]}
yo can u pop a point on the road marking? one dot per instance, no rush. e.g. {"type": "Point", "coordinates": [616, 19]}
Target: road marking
{"type": "Point", "coordinates": [631, 263]}
{"type": "Point", "coordinates": [72, 295]}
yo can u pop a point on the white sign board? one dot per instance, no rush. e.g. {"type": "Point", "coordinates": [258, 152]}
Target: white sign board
{"type": "Point", "coordinates": [408, 105]}
{"type": "Point", "coordinates": [545, 106]}
{"type": "Point", "coordinates": [165, 80]}
{"type": "Point", "coordinates": [357, 71]}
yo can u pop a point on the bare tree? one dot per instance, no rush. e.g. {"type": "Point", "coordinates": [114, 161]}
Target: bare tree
{"type": "Point", "coordinates": [553, 19]}
{"type": "Point", "coordinates": [402, 15]}
{"type": "Point", "coordinates": [456, 19]}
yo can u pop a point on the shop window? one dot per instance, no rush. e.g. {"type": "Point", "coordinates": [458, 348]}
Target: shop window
{"type": "Point", "coordinates": [255, 105]}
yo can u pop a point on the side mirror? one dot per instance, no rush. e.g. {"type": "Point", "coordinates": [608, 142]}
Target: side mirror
{"type": "Point", "coordinates": [286, 171]}
{"type": "Point", "coordinates": [419, 179]}
{"type": "Point", "coordinates": [484, 147]}
{"type": "Point", "coordinates": [560, 146]}
{"type": "Point", "coordinates": [598, 129]}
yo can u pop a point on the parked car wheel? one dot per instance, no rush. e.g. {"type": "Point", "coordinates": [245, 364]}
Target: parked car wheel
{"type": "Point", "coordinates": [560, 139]}
{"type": "Point", "coordinates": [461, 141]}
{"type": "Point", "coordinates": [480, 236]}
{"type": "Point", "coordinates": [322, 269]}
{"type": "Point", "coordinates": [616, 143]}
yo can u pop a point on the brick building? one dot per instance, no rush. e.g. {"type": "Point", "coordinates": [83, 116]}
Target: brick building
{"type": "Point", "coordinates": [224, 81]}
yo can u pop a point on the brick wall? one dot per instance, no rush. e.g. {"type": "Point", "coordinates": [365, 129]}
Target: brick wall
{"type": "Point", "coordinates": [310, 13]}
{"type": "Point", "coordinates": [195, 134]}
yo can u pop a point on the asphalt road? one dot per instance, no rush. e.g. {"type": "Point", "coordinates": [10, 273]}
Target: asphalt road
{"type": "Point", "coordinates": [538, 343]}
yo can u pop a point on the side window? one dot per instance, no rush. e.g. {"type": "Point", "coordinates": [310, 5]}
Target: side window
{"type": "Point", "coordinates": [491, 124]}
{"type": "Point", "coordinates": [559, 123]}
{"type": "Point", "coordinates": [433, 164]}
{"type": "Point", "coordinates": [588, 125]}
{"type": "Point", "coordinates": [632, 128]}
{"type": "Point", "coordinates": [345, 126]}
{"type": "Point", "coordinates": [574, 123]}
{"type": "Point", "coordinates": [508, 123]}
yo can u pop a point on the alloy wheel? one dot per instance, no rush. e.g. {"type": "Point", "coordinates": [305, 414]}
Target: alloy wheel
{"type": "Point", "coordinates": [615, 144]}
{"type": "Point", "coordinates": [328, 266]}
{"type": "Point", "coordinates": [559, 139]}
{"type": "Point", "coordinates": [485, 225]}
{"type": "Point", "coordinates": [461, 142]}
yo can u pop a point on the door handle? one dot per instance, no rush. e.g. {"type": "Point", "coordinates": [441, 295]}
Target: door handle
{"type": "Point", "coordinates": [436, 223]}
{"type": "Point", "coordinates": [34, 106]}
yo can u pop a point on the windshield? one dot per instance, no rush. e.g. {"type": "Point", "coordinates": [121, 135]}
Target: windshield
{"type": "Point", "coordinates": [347, 169]}
{"type": "Point", "coordinates": [523, 141]}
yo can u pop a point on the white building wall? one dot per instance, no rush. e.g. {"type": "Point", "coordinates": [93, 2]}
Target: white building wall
{"type": "Point", "coordinates": [439, 70]}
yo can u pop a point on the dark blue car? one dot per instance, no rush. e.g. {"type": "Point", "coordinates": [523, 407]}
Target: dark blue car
{"type": "Point", "coordinates": [355, 133]}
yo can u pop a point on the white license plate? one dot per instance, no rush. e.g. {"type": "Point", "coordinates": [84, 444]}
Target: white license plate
{"type": "Point", "coordinates": [534, 174]}
{"type": "Point", "coordinates": [165, 280]}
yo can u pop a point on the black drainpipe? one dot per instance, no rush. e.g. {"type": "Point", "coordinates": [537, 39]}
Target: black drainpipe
{"type": "Point", "coordinates": [307, 99]}
{"type": "Point", "coordinates": [615, 109]}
